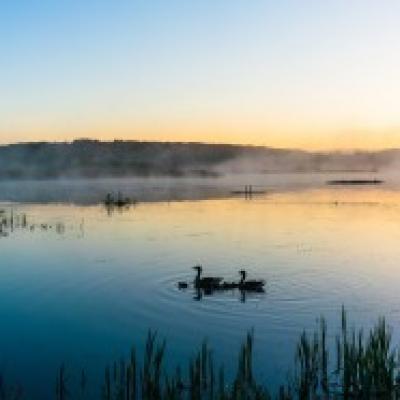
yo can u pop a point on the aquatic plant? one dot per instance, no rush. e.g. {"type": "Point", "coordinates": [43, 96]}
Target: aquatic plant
{"type": "Point", "coordinates": [11, 222]}
{"type": "Point", "coordinates": [364, 367]}
{"type": "Point", "coordinates": [10, 392]}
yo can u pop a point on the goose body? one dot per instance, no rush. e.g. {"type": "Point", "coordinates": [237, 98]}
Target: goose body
{"type": "Point", "coordinates": [182, 285]}
{"type": "Point", "coordinates": [206, 282]}
{"type": "Point", "coordinates": [230, 285]}
{"type": "Point", "coordinates": [250, 285]}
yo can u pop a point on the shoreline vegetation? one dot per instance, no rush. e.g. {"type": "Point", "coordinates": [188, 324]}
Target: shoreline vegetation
{"type": "Point", "coordinates": [355, 365]}
{"type": "Point", "coordinates": [96, 159]}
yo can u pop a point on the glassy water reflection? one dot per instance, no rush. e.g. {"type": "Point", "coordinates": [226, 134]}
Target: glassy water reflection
{"type": "Point", "coordinates": [84, 284]}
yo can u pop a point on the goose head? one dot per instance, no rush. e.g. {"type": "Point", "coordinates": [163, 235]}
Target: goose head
{"type": "Point", "coordinates": [199, 269]}
{"type": "Point", "coordinates": [243, 273]}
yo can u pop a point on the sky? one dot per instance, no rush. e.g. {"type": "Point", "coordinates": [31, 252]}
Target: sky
{"type": "Point", "coordinates": [300, 74]}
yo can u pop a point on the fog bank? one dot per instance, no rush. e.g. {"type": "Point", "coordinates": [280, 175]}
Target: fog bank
{"type": "Point", "coordinates": [95, 159]}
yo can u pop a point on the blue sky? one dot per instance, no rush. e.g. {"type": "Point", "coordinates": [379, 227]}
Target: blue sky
{"type": "Point", "coordinates": [311, 74]}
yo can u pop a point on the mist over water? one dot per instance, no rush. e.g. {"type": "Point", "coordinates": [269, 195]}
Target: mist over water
{"type": "Point", "coordinates": [119, 159]}
{"type": "Point", "coordinates": [93, 191]}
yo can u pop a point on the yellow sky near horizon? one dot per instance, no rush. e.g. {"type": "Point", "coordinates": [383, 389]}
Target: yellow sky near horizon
{"type": "Point", "coordinates": [310, 140]}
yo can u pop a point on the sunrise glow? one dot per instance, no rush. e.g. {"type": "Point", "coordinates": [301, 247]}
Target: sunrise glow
{"type": "Point", "coordinates": [311, 75]}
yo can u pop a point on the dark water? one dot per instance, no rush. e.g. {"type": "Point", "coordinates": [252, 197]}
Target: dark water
{"type": "Point", "coordinates": [80, 284]}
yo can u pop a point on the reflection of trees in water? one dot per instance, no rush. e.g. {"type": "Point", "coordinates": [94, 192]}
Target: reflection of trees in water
{"type": "Point", "coordinates": [11, 221]}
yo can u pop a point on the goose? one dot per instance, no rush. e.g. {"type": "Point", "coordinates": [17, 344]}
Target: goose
{"type": "Point", "coordinates": [229, 285]}
{"type": "Point", "coordinates": [252, 285]}
{"type": "Point", "coordinates": [183, 285]}
{"type": "Point", "coordinates": [207, 282]}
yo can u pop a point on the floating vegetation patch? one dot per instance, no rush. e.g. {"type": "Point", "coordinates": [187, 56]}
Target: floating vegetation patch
{"type": "Point", "coordinates": [119, 203]}
{"type": "Point", "coordinates": [355, 182]}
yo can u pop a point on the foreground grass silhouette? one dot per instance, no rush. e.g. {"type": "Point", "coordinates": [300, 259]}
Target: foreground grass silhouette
{"type": "Point", "coordinates": [363, 367]}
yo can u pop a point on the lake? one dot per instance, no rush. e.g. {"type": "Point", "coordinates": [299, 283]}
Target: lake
{"type": "Point", "coordinates": [80, 283]}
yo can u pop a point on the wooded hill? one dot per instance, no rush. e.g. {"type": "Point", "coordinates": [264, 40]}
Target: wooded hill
{"type": "Point", "coordinates": [91, 158]}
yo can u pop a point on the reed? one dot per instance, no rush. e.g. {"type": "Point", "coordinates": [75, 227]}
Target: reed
{"type": "Point", "coordinates": [362, 367]}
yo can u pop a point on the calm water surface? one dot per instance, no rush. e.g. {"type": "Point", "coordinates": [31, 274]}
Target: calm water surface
{"type": "Point", "coordinates": [81, 285]}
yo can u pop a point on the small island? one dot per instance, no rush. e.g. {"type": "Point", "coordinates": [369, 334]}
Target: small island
{"type": "Point", "coordinates": [355, 182]}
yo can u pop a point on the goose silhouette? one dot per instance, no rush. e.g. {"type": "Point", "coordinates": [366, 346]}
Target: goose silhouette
{"type": "Point", "coordinates": [250, 285]}
{"type": "Point", "coordinates": [206, 282]}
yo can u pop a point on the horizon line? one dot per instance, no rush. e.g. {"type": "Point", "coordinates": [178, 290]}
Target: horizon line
{"type": "Point", "coordinates": [188, 142]}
